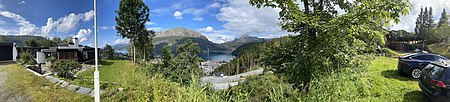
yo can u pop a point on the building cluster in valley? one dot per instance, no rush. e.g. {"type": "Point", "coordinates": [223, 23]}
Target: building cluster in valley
{"type": "Point", "coordinates": [209, 66]}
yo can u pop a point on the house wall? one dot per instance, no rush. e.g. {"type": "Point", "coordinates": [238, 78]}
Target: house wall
{"type": "Point", "coordinates": [6, 51]}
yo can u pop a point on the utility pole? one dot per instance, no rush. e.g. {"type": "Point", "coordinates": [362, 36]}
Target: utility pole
{"type": "Point", "coordinates": [96, 73]}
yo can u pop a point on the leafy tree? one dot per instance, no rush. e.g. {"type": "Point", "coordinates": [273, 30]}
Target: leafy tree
{"type": "Point", "coordinates": [108, 52]}
{"type": "Point", "coordinates": [2, 38]}
{"type": "Point", "coordinates": [67, 40]}
{"type": "Point", "coordinates": [184, 65]}
{"type": "Point", "coordinates": [26, 58]}
{"type": "Point", "coordinates": [31, 43]}
{"type": "Point", "coordinates": [444, 19]}
{"type": "Point", "coordinates": [46, 42]}
{"type": "Point", "coordinates": [326, 41]}
{"type": "Point", "coordinates": [57, 40]}
{"type": "Point", "coordinates": [167, 56]}
{"type": "Point", "coordinates": [425, 24]}
{"type": "Point", "coordinates": [130, 20]}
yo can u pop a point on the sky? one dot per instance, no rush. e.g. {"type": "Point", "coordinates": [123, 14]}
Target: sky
{"type": "Point", "coordinates": [218, 20]}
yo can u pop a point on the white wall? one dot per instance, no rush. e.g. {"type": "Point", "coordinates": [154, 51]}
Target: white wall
{"type": "Point", "coordinates": [14, 52]}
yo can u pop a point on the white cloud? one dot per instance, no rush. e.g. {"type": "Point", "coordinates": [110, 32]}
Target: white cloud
{"type": "Point", "coordinates": [219, 36]}
{"type": "Point", "coordinates": [241, 17]}
{"type": "Point", "coordinates": [157, 29]}
{"type": "Point", "coordinates": [121, 41]}
{"type": "Point", "coordinates": [103, 27]}
{"type": "Point", "coordinates": [83, 35]}
{"type": "Point", "coordinates": [66, 23]}
{"type": "Point", "coordinates": [208, 29]}
{"type": "Point", "coordinates": [21, 2]}
{"type": "Point", "coordinates": [149, 23]}
{"type": "Point", "coordinates": [214, 5]}
{"type": "Point", "coordinates": [408, 22]}
{"type": "Point", "coordinates": [178, 15]}
{"type": "Point", "coordinates": [197, 19]}
{"type": "Point", "coordinates": [26, 27]}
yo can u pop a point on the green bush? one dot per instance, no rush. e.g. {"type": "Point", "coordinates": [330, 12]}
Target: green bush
{"type": "Point", "coordinates": [263, 88]}
{"type": "Point", "coordinates": [26, 58]}
{"type": "Point", "coordinates": [65, 69]}
{"type": "Point", "coordinates": [51, 59]}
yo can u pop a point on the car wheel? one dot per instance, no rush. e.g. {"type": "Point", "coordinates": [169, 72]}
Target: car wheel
{"type": "Point", "coordinates": [415, 73]}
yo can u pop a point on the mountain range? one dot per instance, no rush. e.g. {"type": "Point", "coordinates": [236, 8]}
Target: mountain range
{"type": "Point", "coordinates": [172, 38]}
{"type": "Point", "coordinates": [177, 36]}
{"type": "Point", "coordinates": [20, 39]}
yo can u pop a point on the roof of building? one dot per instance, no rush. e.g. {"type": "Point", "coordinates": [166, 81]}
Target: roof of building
{"type": "Point", "coordinates": [6, 44]}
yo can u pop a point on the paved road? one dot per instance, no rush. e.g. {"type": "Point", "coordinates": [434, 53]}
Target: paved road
{"type": "Point", "coordinates": [220, 83]}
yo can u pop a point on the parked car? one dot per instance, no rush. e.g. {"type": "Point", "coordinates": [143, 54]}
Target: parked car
{"type": "Point", "coordinates": [412, 64]}
{"type": "Point", "coordinates": [434, 81]}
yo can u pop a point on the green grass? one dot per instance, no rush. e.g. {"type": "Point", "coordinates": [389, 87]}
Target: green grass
{"type": "Point", "coordinates": [440, 48]}
{"type": "Point", "coordinates": [22, 83]}
{"type": "Point", "coordinates": [389, 85]}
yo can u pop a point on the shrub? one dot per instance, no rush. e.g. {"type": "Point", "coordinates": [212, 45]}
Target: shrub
{"type": "Point", "coordinates": [65, 69]}
{"type": "Point", "coordinates": [263, 88]}
{"type": "Point", "coordinates": [26, 58]}
{"type": "Point", "coordinates": [51, 59]}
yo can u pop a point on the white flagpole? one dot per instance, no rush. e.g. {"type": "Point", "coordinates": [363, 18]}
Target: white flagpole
{"type": "Point", "coordinates": [96, 73]}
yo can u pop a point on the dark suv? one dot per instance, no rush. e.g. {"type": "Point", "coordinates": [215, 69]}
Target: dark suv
{"type": "Point", "coordinates": [434, 81]}
{"type": "Point", "coordinates": [412, 64]}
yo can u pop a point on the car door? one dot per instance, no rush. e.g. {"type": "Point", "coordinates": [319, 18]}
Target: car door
{"type": "Point", "coordinates": [435, 73]}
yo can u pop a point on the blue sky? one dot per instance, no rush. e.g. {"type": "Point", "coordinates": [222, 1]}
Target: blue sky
{"type": "Point", "coordinates": [218, 20]}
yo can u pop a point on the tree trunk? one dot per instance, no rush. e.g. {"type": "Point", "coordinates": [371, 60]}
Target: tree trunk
{"type": "Point", "coordinates": [134, 53]}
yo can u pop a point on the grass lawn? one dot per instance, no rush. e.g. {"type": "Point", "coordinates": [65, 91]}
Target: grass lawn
{"type": "Point", "coordinates": [22, 83]}
{"type": "Point", "coordinates": [113, 71]}
{"type": "Point", "coordinates": [389, 85]}
{"type": "Point", "coordinates": [440, 48]}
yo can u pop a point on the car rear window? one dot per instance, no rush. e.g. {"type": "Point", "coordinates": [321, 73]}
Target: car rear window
{"type": "Point", "coordinates": [436, 72]}
{"type": "Point", "coordinates": [447, 75]}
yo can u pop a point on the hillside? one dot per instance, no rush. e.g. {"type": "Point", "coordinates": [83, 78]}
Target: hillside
{"type": "Point", "coordinates": [182, 32]}
{"type": "Point", "coordinates": [120, 47]}
{"type": "Point", "coordinates": [19, 39]}
{"type": "Point", "coordinates": [244, 39]}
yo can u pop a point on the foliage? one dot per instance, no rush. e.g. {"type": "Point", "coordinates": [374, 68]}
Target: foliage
{"type": "Point", "coordinates": [442, 32]}
{"type": "Point", "coordinates": [327, 41]}
{"type": "Point", "coordinates": [244, 62]}
{"type": "Point", "coordinates": [348, 84]}
{"type": "Point", "coordinates": [26, 58]}
{"type": "Point", "coordinates": [2, 38]}
{"type": "Point", "coordinates": [31, 43]}
{"type": "Point", "coordinates": [66, 40]}
{"type": "Point", "coordinates": [51, 59]}
{"type": "Point", "coordinates": [424, 23]}
{"type": "Point", "coordinates": [57, 40]}
{"type": "Point", "coordinates": [185, 64]}
{"type": "Point", "coordinates": [440, 48]}
{"type": "Point", "coordinates": [131, 18]}
{"type": "Point", "coordinates": [46, 42]}
{"type": "Point", "coordinates": [108, 52]}
{"type": "Point", "coordinates": [444, 19]}
{"type": "Point", "coordinates": [390, 53]}
{"type": "Point", "coordinates": [65, 69]}
{"type": "Point", "coordinates": [264, 88]}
